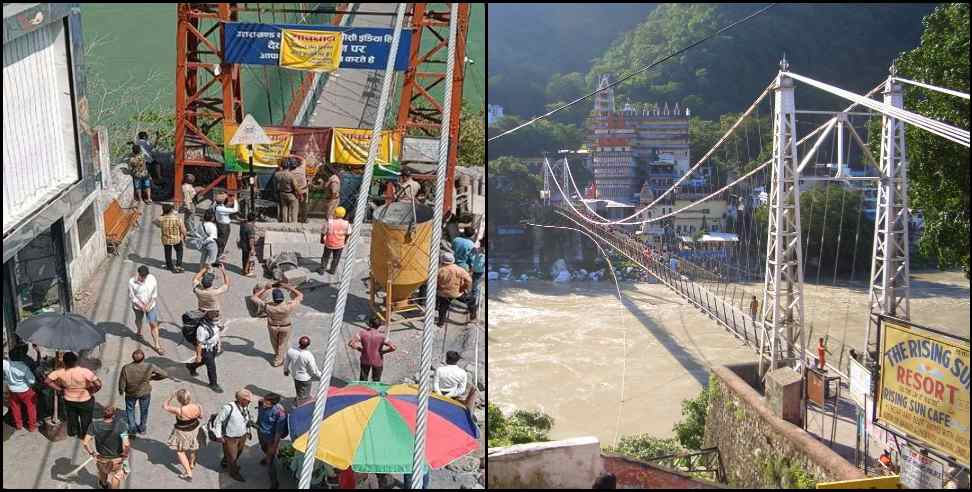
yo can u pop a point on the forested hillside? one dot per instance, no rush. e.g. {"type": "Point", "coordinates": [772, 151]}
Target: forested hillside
{"type": "Point", "coordinates": [540, 58]}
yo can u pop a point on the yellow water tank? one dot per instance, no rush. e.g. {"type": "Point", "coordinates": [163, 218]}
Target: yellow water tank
{"type": "Point", "coordinates": [400, 237]}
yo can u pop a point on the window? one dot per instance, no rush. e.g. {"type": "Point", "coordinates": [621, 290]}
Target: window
{"type": "Point", "coordinates": [86, 225]}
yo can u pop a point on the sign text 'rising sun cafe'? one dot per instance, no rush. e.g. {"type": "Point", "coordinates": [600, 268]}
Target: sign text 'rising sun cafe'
{"type": "Point", "coordinates": [924, 387]}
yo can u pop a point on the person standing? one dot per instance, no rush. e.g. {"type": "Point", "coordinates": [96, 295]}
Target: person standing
{"type": "Point", "coordinates": [477, 264]}
{"type": "Point", "coordinates": [18, 382]}
{"type": "Point", "coordinates": [189, 195]}
{"type": "Point", "coordinates": [333, 235]}
{"type": "Point", "coordinates": [148, 152]}
{"type": "Point", "coordinates": [248, 237]}
{"type": "Point", "coordinates": [232, 428]}
{"type": "Point", "coordinates": [228, 206]}
{"type": "Point", "coordinates": [78, 385]}
{"type": "Point", "coordinates": [271, 428]}
{"type": "Point", "coordinates": [408, 188]}
{"type": "Point", "coordinates": [107, 442]}
{"type": "Point", "coordinates": [754, 308]}
{"type": "Point", "coordinates": [143, 290]}
{"type": "Point", "coordinates": [279, 325]}
{"type": "Point", "coordinates": [332, 190]}
{"type": "Point", "coordinates": [452, 282]}
{"type": "Point", "coordinates": [462, 247]}
{"type": "Point", "coordinates": [301, 363]}
{"type": "Point", "coordinates": [300, 179]}
{"type": "Point", "coordinates": [207, 296]}
{"type": "Point", "coordinates": [173, 234]}
{"type": "Point", "coordinates": [373, 345]}
{"type": "Point", "coordinates": [821, 355]}
{"type": "Point", "coordinates": [210, 247]}
{"type": "Point", "coordinates": [287, 192]}
{"type": "Point", "coordinates": [451, 381]}
{"type": "Point", "coordinates": [135, 385]}
{"type": "Point", "coordinates": [184, 438]}
{"type": "Point", "coordinates": [207, 346]}
{"type": "Point", "coordinates": [141, 181]}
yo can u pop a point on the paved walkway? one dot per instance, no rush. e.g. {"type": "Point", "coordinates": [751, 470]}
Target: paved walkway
{"type": "Point", "coordinates": [32, 462]}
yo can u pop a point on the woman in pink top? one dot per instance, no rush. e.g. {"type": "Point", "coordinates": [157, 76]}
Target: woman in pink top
{"type": "Point", "coordinates": [333, 237]}
{"type": "Point", "coordinates": [77, 384]}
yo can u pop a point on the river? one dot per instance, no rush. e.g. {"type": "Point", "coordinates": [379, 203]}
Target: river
{"type": "Point", "coordinates": [560, 347]}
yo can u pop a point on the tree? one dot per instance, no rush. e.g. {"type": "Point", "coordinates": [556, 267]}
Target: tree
{"type": "Point", "coordinates": [521, 427]}
{"type": "Point", "coordinates": [515, 190]}
{"type": "Point", "coordinates": [939, 169]}
{"type": "Point", "coordinates": [472, 137]}
{"type": "Point", "coordinates": [533, 140]}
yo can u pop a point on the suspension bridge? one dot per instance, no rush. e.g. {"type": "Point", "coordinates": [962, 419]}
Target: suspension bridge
{"type": "Point", "coordinates": [778, 332]}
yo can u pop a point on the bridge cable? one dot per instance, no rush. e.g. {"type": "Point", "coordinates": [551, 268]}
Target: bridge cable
{"type": "Point", "coordinates": [632, 74]}
{"type": "Point", "coordinates": [932, 87]}
{"type": "Point", "coordinates": [337, 318]}
{"type": "Point", "coordinates": [624, 331]}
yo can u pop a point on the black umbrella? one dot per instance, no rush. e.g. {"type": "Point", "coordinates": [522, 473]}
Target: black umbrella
{"type": "Point", "coordinates": [63, 332]}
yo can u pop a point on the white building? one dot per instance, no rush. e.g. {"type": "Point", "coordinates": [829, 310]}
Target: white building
{"type": "Point", "coordinates": [53, 232]}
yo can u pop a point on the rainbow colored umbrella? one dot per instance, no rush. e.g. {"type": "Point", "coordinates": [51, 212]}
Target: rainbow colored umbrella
{"type": "Point", "coordinates": [371, 428]}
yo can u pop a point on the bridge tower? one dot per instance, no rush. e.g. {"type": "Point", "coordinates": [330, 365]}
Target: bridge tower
{"type": "Point", "coordinates": [782, 307]}
{"type": "Point", "coordinates": [889, 290]}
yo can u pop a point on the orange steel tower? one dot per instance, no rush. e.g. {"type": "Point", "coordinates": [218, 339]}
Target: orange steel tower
{"type": "Point", "coordinates": [200, 70]}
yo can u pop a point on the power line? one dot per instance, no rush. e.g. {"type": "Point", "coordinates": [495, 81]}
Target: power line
{"type": "Point", "coordinates": [643, 69]}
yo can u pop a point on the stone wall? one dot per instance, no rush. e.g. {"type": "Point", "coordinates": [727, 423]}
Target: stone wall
{"type": "Point", "coordinates": [762, 451]}
{"type": "Point", "coordinates": [638, 474]}
{"type": "Point", "coordinates": [570, 463]}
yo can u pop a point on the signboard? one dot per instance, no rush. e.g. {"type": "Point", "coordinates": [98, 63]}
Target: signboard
{"type": "Point", "coordinates": [315, 51]}
{"type": "Point", "coordinates": [860, 382]}
{"type": "Point", "coordinates": [923, 390]}
{"type": "Point", "coordinates": [249, 132]}
{"type": "Point", "coordinates": [417, 149]}
{"type": "Point", "coordinates": [919, 471]}
{"type": "Point", "coordinates": [361, 47]}
{"type": "Point", "coordinates": [815, 387]}
{"type": "Point", "coordinates": [312, 144]}
{"type": "Point", "coordinates": [351, 146]}
{"type": "Point", "coordinates": [890, 482]}
{"type": "Point", "coordinates": [509, 231]}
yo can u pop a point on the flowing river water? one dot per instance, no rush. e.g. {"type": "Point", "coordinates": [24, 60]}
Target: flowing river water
{"type": "Point", "coordinates": [560, 347]}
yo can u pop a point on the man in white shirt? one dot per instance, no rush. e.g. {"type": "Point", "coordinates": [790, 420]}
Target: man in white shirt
{"type": "Point", "coordinates": [207, 346]}
{"type": "Point", "coordinates": [302, 364]}
{"type": "Point", "coordinates": [236, 415]}
{"type": "Point", "coordinates": [143, 290]}
{"type": "Point", "coordinates": [223, 212]}
{"type": "Point", "coordinates": [451, 380]}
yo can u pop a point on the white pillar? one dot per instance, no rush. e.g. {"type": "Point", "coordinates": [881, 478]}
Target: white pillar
{"type": "Point", "coordinates": [889, 291]}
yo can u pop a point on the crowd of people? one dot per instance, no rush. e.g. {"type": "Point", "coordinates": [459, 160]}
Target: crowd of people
{"type": "Point", "coordinates": [108, 439]}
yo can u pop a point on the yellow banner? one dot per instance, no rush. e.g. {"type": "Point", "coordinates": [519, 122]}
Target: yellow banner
{"type": "Point", "coordinates": [865, 483]}
{"type": "Point", "coordinates": [315, 51]}
{"type": "Point", "coordinates": [351, 145]}
{"type": "Point", "coordinates": [924, 387]}
{"type": "Point", "coordinates": [264, 155]}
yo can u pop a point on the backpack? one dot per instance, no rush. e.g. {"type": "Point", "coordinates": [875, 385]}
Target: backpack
{"type": "Point", "coordinates": [190, 322]}
{"type": "Point", "coordinates": [212, 423]}
{"type": "Point", "coordinates": [196, 237]}
{"type": "Point", "coordinates": [478, 262]}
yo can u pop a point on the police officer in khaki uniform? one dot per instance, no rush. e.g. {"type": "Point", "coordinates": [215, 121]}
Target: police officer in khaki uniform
{"type": "Point", "coordinates": [332, 190]}
{"type": "Point", "coordinates": [287, 192]}
{"type": "Point", "coordinates": [300, 178]}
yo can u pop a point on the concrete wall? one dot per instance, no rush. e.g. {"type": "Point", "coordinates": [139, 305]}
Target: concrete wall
{"type": "Point", "coordinates": [87, 258]}
{"type": "Point", "coordinates": [762, 451]}
{"type": "Point", "coordinates": [638, 474]}
{"type": "Point", "coordinates": [570, 463]}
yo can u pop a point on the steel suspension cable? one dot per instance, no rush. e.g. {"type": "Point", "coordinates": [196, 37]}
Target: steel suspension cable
{"type": "Point", "coordinates": [337, 318]}
{"type": "Point", "coordinates": [421, 419]}
{"type": "Point", "coordinates": [943, 130]}
{"type": "Point", "coordinates": [932, 87]}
